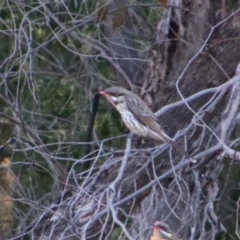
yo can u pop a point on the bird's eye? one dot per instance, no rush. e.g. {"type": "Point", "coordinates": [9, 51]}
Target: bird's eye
{"type": "Point", "coordinates": [114, 99]}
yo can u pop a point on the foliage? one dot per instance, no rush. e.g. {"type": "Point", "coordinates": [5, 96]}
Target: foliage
{"type": "Point", "coordinates": [50, 71]}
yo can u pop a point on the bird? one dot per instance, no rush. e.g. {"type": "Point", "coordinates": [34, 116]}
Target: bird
{"type": "Point", "coordinates": [161, 231]}
{"type": "Point", "coordinates": [138, 117]}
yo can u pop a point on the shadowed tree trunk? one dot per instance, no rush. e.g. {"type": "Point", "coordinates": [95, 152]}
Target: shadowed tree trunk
{"type": "Point", "coordinates": [195, 53]}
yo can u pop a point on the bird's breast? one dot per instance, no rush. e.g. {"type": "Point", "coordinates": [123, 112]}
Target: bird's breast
{"type": "Point", "coordinates": [131, 122]}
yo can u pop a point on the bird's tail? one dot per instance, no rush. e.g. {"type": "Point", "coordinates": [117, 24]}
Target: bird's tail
{"type": "Point", "coordinates": [186, 154]}
{"type": "Point", "coordinates": [165, 138]}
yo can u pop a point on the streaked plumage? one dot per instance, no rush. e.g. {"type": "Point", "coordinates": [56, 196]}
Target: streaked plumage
{"type": "Point", "coordinates": [137, 116]}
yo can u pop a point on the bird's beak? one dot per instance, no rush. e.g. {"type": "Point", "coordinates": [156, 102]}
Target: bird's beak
{"type": "Point", "coordinates": [103, 93]}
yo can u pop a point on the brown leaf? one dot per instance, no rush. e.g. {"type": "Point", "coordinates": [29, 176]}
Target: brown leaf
{"type": "Point", "coordinates": [102, 13]}
{"type": "Point", "coordinates": [119, 19]}
{"type": "Point", "coordinates": [163, 3]}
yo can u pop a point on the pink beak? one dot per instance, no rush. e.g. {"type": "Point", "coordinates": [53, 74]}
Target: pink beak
{"type": "Point", "coordinates": [103, 93]}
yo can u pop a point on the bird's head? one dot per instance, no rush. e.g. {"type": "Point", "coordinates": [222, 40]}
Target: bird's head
{"type": "Point", "coordinates": [164, 229]}
{"type": "Point", "coordinates": [116, 95]}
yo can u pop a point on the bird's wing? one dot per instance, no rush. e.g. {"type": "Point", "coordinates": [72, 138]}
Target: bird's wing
{"type": "Point", "coordinates": [140, 110]}
{"type": "Point", "coordinates": [145, 116]}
